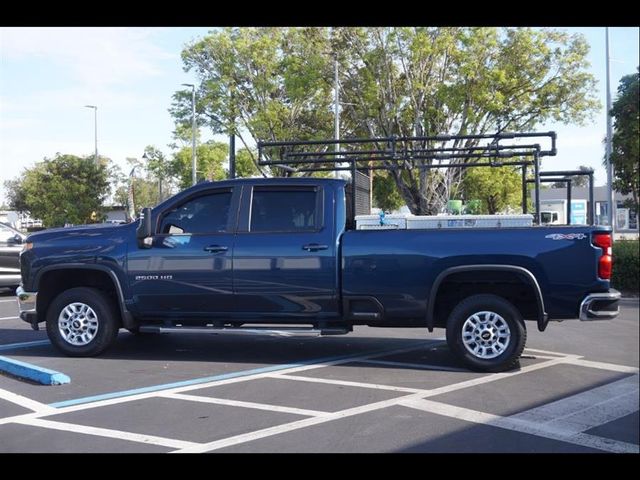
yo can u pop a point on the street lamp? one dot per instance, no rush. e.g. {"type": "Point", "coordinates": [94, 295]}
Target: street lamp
{"type": "Point", "coordinates": [95, 126]}
{"type": "Point", "coordinates": [193, 131]}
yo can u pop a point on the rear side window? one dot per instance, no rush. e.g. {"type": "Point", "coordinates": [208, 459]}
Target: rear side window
{"type": "Point", "coordinates": [205, 214]}
{"type": "Point", "coordinates": [283, 210]}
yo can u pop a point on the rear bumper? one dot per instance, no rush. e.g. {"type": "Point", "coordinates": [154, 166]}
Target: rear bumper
{"type": "Point", "coordinates": [27, 305]}
{"type": "Point", "coordinates": [600, 306]}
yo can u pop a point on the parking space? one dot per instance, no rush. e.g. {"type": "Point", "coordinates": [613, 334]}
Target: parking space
{"type": "Point", "coordinates": [375, 390]}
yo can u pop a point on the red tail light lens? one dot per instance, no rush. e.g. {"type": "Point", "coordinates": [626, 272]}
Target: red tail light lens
{"type": "Point", "coordinates": [605, 264]}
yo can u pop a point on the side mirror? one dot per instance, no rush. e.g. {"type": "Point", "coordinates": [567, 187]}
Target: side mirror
{"type": "Point", "coordinates": [15, 240]}
{"type": "Point", "coordinates": [143, 232]}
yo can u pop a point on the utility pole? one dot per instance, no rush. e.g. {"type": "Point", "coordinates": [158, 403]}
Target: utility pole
{"type": "Point", "coordinates": [610, 193]}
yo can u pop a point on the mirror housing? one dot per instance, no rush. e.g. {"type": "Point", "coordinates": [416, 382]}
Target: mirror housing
{"type": "Point", "coordinates": [143, 232]}
{"type": "Point", "coordinates": [15, 240]}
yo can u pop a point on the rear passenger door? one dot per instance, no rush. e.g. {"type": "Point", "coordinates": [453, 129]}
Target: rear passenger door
{"type": "Point", "coordinates": [284, 263]}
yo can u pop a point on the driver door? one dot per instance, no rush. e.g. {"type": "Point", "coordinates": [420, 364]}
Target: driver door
{"type": "Point", "coordinates": [188, 270]}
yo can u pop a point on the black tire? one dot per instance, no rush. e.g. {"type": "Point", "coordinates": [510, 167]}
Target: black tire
{"type": "Point", "coordinates": [496, 355]}
{"type": "Point", "coordinates": [104, 315]}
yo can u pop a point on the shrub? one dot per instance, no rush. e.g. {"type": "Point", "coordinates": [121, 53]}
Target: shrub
{"type": "Point", "coordinates": [626, 263]}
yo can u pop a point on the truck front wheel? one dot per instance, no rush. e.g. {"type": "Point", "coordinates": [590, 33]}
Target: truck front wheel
{"type": "Point", "coordinates": [487, 333]}
{"type": "Point", "coordinates": [82, 322]}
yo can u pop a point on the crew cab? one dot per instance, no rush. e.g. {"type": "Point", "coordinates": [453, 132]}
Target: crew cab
{"type": "Point", "coordinates": [244, 255]}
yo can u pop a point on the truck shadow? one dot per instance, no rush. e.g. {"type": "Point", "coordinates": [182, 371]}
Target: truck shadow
{"type": "Point", "coordinates": [226, 349]}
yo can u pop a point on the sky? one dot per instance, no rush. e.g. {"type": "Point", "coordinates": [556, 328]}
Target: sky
{"type": "Point", "coordinates": [48, 75]}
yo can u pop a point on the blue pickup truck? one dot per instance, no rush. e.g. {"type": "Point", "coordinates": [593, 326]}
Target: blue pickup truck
{"type": "Point", "coordinates": [245, 255]}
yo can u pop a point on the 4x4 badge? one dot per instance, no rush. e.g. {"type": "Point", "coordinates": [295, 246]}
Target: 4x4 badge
{"type": "Point", "coordinates": [566, 236]}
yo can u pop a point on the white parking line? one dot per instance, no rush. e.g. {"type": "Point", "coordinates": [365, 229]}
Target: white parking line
{"type": "Point", "coordinates": [421, 366]}
{"type": "Point", "coordinates": [14, 300]}
{"type": "Point", "coordinates": [8, 318]}
{"type": "Point", "coordinates": [548, 352]}
{"type": "Point", "coordinates": [25, 402]}
{"type": "Point", "coordinates": [415, 399]}
{"type": "Point", "coordinates": [521, 426]}
{"type": "Point", "coordinates": [238, 403]}
{"type": "Point", "coordinates": [494, 377]}
{"type": "Point", "coordinates": [141, 396]}
{"type": "Point", "coordinates": [346, 383]}
{"type": "Point", "coordinates": [603, 366]}
{"type": "Point", "coordinates": [106, 432]}
{"type": "Point", "coordinates": [589, 409]}
{"type": "Point", "coordinates": [287, 427]}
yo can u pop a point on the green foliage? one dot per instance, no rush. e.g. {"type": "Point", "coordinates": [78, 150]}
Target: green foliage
{"type": "Point", "coordinates": [626, 265]}
{"type": "Point", "coordinates": [210, 157]}
{"type": "Point", "coordinates": [497, 188]}
{"type": "Point", "coordinates": [269, 82]}
{"type": "Point", "coordinates": [626, 138]}
{"type": "Point", "coordinates": [385, 193]}
{"type": "Point", "coordinates": [16, 195]}
{"type": "Point", "coordinates": [245, 166]}
{"type": "Point", "coordinates": [452, 80]}
{"type": "Point", "coordinates": [65, 189]}
{"type": "Point", "coordinates": [276, 84]}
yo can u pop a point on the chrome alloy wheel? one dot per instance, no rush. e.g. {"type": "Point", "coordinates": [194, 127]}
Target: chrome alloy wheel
{"type": "Point", "coordinates": [486, 335]}
{"type": "Point", "coordinates": [78, 324]}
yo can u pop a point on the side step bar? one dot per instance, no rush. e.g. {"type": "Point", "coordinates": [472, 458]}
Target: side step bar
{"type": "Point", "coordinates": [269, 331]}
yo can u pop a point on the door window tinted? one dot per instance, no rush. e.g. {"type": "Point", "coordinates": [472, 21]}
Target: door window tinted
{"type": "Point", "coordinates": [205, 214]}
{"type": "Point", "coordinates": [283, 211]}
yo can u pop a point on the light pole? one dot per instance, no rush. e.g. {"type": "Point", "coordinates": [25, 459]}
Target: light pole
{"type": "Point", "coordinates": [95, 129]}
{"type": "Point", "coordinates": [336, 111]}
{"type": "Point", "coordinates": [193, 131]}
{"type": "Point", "coordinates": [610, 193]}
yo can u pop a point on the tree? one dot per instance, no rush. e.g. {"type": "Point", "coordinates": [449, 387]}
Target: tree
{"type": "Point", "coordinates": [210, 158]}
{"type": "Point", "coordinates": [626, 136]}
{"type": "Point", "coordinates": [262, 84]}
{"type": "Point", "coordinates": [276, 84]}
{"type": "Point", "coordinates": [385, 193]}
{"type": "Point", "coordinates": [160, 169]}
{"type": "Point", "coordinates": [16, 195]}
{"type": "Point", "coordinates": [65, 189]}
{"type": "Point", "coordinates": [576, 180]}
{"type": "Point", "coordinates": [244, 163]}
{"type": "Point", "coordinates": [498, 188]}
{"type": "Point", "coordinates": [422, 81]}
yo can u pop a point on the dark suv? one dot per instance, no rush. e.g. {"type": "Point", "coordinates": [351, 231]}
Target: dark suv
{"type": "Point", "coordinates": [11, 241]}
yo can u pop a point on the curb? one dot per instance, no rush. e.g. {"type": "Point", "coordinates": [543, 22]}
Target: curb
{"type": "Point", "coordinates": [32, 372]}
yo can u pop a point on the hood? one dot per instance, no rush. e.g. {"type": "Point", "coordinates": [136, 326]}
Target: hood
{"type": "Point", "coordinates": [83, 231]}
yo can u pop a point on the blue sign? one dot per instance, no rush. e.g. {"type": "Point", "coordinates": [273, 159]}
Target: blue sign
{"type": "Point", "coordinates": [578, 212]}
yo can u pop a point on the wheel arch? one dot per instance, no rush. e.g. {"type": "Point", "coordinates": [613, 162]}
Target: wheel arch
{"type": "Point", "coordinates": [529, 278]}
{"type": "Point", "coordinates": [62, 276]}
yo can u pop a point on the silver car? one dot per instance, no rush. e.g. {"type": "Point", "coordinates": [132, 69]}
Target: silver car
{"type": "Point", "coordinates": [11, 241]}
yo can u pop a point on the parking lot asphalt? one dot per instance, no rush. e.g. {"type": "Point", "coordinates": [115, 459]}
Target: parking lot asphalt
{"type": "Point", "coordinates": [374, 390]}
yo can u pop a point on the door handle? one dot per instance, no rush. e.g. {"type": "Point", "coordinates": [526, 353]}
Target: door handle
{"type": "Point", "coordinates": [314, 247]}
{"type": "Point", "coordinates": [216, 249]}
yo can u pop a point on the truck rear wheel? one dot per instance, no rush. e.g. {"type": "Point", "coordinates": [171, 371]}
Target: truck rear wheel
{"type": "Point", "coordinates": [487, 333]}
{"type": "Point", "coordinates": [82, 322]}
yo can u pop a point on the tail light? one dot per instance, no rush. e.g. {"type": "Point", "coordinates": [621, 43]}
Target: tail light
{"type": "Point", "coordinates": [605, 263]}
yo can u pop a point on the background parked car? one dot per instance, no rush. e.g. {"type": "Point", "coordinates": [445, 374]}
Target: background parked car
{"type": "Point", "coordinates": [11, 241]}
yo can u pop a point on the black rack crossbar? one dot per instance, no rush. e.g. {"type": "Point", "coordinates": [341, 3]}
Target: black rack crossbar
{"type": "Point", "coordinates": [392, 153]}
{"type": "Point", "coordinates": [562, 178]}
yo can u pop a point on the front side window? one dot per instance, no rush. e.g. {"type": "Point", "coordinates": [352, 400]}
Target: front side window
{"type": "Point", "coordinates": [283, 210]}
{"type": "Point", "coordinates": [204, 214]}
